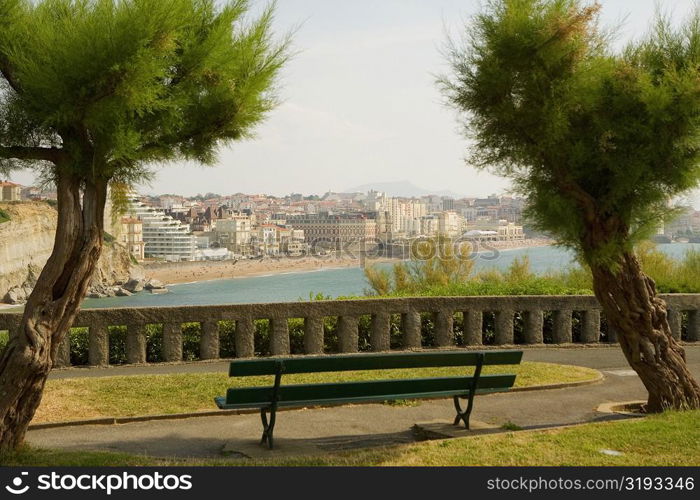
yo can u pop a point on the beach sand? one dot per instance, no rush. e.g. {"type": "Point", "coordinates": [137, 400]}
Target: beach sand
{"type": "Point", "coordinates": [188, 272]}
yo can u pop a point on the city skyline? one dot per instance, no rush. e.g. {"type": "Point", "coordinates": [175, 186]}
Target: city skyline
{"type": "Point", "coordinates": [360, 105]}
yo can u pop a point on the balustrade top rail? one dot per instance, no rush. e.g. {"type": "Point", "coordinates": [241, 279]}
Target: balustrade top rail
{"type": "Point", "coordinates": [470, 312]}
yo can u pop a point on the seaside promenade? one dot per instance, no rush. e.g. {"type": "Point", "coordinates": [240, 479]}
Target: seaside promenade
{"type": "Point", "coordinates": [358, 426]}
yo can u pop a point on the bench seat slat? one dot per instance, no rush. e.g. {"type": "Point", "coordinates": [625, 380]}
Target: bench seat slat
{"type": "Point", "coordinates": [252, 367]}
{"type": "Point", "coordinates": [358, 391]}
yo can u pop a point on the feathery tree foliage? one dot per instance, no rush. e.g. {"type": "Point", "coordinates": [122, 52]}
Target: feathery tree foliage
{"type": "Point", "coordinates": [92, 92]}
{"type": "Point", "coordinates": [599, 141]}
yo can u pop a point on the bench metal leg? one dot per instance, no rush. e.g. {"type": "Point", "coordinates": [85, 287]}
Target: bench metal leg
{"type": "Point", "coordinates": [463, 416]}
{"type": "Point", "coordinates": [268, 426]}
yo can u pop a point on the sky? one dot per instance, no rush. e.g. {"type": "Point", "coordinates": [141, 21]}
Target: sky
{"type": "Point", "coordinates": [360, 104]}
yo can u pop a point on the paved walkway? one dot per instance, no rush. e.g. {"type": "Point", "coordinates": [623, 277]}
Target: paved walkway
{"type": "Point", "coordinates": [337, 428]}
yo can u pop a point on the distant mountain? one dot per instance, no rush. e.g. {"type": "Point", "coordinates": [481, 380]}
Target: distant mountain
{"type": "Point", "coordinates": [401, 189]}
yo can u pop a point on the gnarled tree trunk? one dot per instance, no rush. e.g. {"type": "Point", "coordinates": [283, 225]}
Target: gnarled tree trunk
{"type": "Point", "coordinates": [639, 316]}
{"type": "Point", "coordinates": [53, 305]}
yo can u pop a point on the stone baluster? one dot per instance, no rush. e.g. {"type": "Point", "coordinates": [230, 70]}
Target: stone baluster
{"type": "Point", "coordinates": [444, 328]}
{"type": "Point", "coordinates": [313, 335]}
{"type": "Point", "coordinates": [348, 333]}
{"type": "Point", "coordinates": [209, 341]}
{"type": "Point", "coordinates": [473, 325]}
{"type": "Point", "coordinates": [504, 327]}
{"type": "Point", "coordinates": [136, 343]}
{"type": "Point", "coordinates": [411, 330]}
{"type": "Point", "coordinates": [279, 337]}
{"type": "Point", "coordinates": [172, 342]}
{"type": "Point", "coordinates": [590, 330]}
{"type": "Point", "coordinates": [98, 344]}
{"type": "Point", "coordinates": [562, 326]}
{"type": "Point", "coordinates": [380, 332]}
{"type": "Point", "coordinates": [674, 321]}
{"type": "Point", "coordinates": [694, 326]}
{"type": "Point", "coordinates": [244, 338]}
{"type": "Point", "coordinates": [533, 324]}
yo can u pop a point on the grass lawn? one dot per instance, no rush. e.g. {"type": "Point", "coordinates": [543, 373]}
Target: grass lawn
{"type": "Point", "coordinates": [83, 398]}
{"type": "Point", "coordinates": [669, 439]}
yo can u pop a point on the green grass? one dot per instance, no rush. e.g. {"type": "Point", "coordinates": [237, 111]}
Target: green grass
{"type": "Point", "coordinates": [661, 440]}
{"type": "Point", "coordinates": [81, 398]}
{"type": "Point", "coordinates": [672, 439]}
{"type": "Point", "coordinates": [4, 216]}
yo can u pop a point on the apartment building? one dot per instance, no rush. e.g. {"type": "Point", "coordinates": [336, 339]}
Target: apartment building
{"type": "Point", "coordinates": [450, 224]}
{"type": "Point", "coordinates": [164, 237]}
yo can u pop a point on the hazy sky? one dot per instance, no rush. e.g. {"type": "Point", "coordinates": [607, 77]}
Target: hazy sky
{"type": "Point", "coordinates": [361, 105]}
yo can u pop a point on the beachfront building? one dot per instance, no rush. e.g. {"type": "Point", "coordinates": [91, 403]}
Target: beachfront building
{"type": "Point", "coordinates": [234, 233]}
{"type": "Point", "coordinates": [164, 237]}
{"type": "Point", "coordinates": [334, 230]}
{"type": "Point", "coordinates": [292, 243]}
{"type": "Point", "coordinates": [9, 191]}
{"type": "Point", "coordinates": [132, 237]}
{"type": "Point", "coordinates": [265, 240]}
{"type": "Point", "coordinates": [509, 232]}
{"type": "Point", "coordinates": [503, 231]}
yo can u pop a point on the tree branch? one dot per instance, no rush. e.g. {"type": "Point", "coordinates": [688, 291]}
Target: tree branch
{"type": "Point", "coordinates": [54, 155]}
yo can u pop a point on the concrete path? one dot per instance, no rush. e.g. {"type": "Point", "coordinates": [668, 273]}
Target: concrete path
{"type": "Point", "coordinates": [338, 428]}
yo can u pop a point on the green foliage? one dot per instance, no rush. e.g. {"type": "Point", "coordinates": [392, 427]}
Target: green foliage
{"type": "Point", "coordinates": [141, 81]}
{"type": "Point", "coordinates": [598, 141]}
{"type": "Point", "coordinates": [671, 276]}
{"type": "Point", "coordinates": [436, 262]}
{"type": "Point", "coordinates": [4, 216]}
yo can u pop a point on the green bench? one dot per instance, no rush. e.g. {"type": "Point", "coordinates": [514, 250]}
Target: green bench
{"type": "Point", "coordinates": [269, 398]}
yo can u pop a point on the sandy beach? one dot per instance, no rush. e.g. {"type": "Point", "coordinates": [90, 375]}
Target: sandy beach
{"type": "Point", "coordinates": [187, 272]}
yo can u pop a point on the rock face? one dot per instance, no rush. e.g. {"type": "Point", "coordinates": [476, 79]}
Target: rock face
{"type": "Point", "coordinates": [154, 285]}
{"type": "Point", "coordinates": [26, 241]}
{"type": "Point", "coordinates": [134, 285]}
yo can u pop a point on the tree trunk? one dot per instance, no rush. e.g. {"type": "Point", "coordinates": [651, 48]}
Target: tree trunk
{"type": "Point", "coordinates": [53, 305]}
{"type": "Point", "coordinates": [639, 316]}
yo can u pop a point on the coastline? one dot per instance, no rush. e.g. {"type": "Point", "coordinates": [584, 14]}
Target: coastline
{"type": "Point", "coordinates": [191, 272]}
{"type": "Point", "coordinates": [194, 272]}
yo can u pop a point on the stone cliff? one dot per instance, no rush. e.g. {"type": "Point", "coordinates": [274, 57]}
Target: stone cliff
{"type": "Point", "coordinates": [26, 241]}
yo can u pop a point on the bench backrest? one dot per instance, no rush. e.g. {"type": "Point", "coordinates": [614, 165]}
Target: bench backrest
{"type": "Point", "coordinates": [272, 366]}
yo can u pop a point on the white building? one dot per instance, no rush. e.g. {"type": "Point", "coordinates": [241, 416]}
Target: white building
{"type": "Point", "coordinates": [163, 236]}
{"type": "Point", "coordinates": [235, 233]}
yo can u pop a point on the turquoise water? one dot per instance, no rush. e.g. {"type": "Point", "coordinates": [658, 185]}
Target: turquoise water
{"type": "Point", "coordinates": [332, 282]}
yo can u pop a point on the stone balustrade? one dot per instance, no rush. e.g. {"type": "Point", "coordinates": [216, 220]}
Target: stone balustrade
{"type": "Point", "coordinates": [447, 315]}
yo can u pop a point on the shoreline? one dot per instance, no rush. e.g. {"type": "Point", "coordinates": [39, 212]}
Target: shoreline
{"type": "Point", "coordinates": [198, 272]}
{"type": "Point", "coordinates": [201, 271]}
